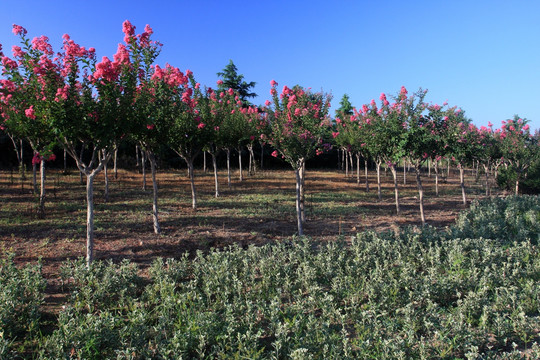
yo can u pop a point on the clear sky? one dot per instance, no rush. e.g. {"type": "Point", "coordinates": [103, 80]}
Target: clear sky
{"type": "Point", "coordinates": [480, 55]}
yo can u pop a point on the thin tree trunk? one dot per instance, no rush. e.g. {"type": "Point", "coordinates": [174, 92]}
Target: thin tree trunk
{"type": "Point", "coordinates": [302, 194]}
{"type": "Point", "coordinates": [106, 175]}
{"type": "Point", "coordinates": [240, 174]}
{"type": "Point", "coordinates": [143, 169]}
{"type": "Point", "coordinates": [429, 168]}
{"type": "Point", "coordinates": [436, 168]}
{"type": "Point", "coordinates": [448, 171]}
{"type": "Point", "coordinates": [339, 159]}
{"type": "Point", "coordinates": [366, 173]}
{"type": "Point", "coordinates": [346, 163]}
{"type": "Point", "coordinates": [379, 192]}
{"type": "Point", "coordinates": [352, 162]}
{"type": "Point", "coordinates": [192, 182]}
{"type": "Point", "coordinates": [251, 159]}
{"type": "Point", "coordinates": [65, 161]}
{"type": "Point", "coordinates": [420, 194]}
{"type": "Point", "coordinates": [228, 168]}
{"type": "Point", "coordinates": [214, 163]}
{"type": "Point", "coordinates": [34, 177]}
{"type": "Point", "coordinates": [517, 184]}
{"type": "Point", "coordinates": [155, 217]}
{"type": "Point", "coordinates": [42, 193]}
{"type": "Point", "coordinates": [137, 161]}
{"type": "Point", "coordinates": [358, 168]}
{"type": "Point", "coordinates": [89, 218]}
{"type": "Point", "coordinates": [462, 183]}
{"type": "Point", "coordinates": [486, 170]}
{"type": "Point", "coordinates": [396, 189]}
{"type": "Point", "coordinates": [204, 162]}
{"type": "Point", "coordinates": [21, 162]}
{"type": "Point", "coordinates": [298, 197]}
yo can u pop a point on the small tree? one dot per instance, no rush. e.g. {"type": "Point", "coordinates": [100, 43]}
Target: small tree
{"type": "Point", "coordinates": [518, 146]}
{"type": "Point", "coordinates": [299, 126]}
{"type": "Point", "coordinates": [232, 80]}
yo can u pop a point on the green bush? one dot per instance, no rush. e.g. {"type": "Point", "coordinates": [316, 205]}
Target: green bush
{"type": "Point", "coordinates": [506, 179]}
{"type": "Point", "coordinates": [21, 294]}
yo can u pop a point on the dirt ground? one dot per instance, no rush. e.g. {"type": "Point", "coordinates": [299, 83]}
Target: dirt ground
{"type": "Point", "coordinates": [257, 211]}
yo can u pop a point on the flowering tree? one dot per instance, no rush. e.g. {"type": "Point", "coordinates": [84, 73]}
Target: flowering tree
{"type": "Point", "coordinates": [462, 140]}
{"type": "Point", "coordinates": [299, 125]}
{"type": "Point", "coordinates": [518, 146]}
{"type": "Point", "coordinates": [28, 101]}
{"type": "Point", "coordinates": [188, 132]}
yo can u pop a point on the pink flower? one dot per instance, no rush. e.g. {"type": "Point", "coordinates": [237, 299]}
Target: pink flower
{"type": "Point", "coordinates": [220, 82]}
{"type": "Point", "coordinates": [30, 112]}
{"type": "Point", "coordinates": [201, 126]}
{"type": "Point", "coordinates": [267, 103]}
{"type": "Point", "coordinates": [52, 157]}
{"type": "Point", "coordinates": [526, 127]}
{"type": "Point", "coordinates": [297, 112]}
{"type": "Point", "coordinates": [36, 159]}
{"type": "Point", "coordinates": [17, 29]}
{"type": "Point", "coordinates": [335, 134]}
{"type": "Point", "coordinates": [275, 153]}
{"type": "Point", "coordinates": [273, 83]}
{"type": "Point", "coordinates": [150, 127]}
{"type": "Point", "coordinates": [148, 29]}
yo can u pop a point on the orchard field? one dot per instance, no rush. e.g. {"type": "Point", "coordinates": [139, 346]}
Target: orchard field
{"type": "Point", "coordinates": [230, 280]}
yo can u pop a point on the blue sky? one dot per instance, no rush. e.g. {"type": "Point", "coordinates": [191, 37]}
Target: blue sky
{"type": "Point", "coordinates": [483, 56]}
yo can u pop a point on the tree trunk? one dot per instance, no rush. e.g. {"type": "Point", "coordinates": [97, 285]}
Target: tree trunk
{"type": "Point", "coordinates": [462, 183]}
{"type": "Point", "coordinates": [346, 153]}
{"type": "Point", "coordinates": [358, 168]}
{"type": "Point", "coordinates": [214, 163]}
{"type": "Point", "coordinates": [251, 159]}
{"type": "Point", "coordinates": [517, 184]}
{"type": "Point", "coordinates": [90, 218]}
{"type": "Point", "coordinates": [228, 168]}
{"type": "Point", "coordinates": [192, 181]}
{"type": "Point", "coordinates": [486, 170]}
{"type": "Point", "coordinates": [366, 173]}
{"type": "Point", "coordinates": [420, 194]}
{"type": "Point", "coordinates": [379, 192]}
{"type": "Point", "coordinates": [153, 167]}
{"type": "Point", "coordinates": [436, 168]}
{"type": "Point", "coordinates": [143, 169]}
{"type": "Point", "coordinates": [106, 174]}
{"type": "Point", "coordinates": [297, 172]}
{"type": "Point", "coordinates": [137, 161]}
{"type": "Point", "coordinates": [34, 175]}
{"type": "Point", "coordinates": [302, 194]}
{"type": "Point", "coordinates": [352, 163]}
{"type": "Point", "coordinates": [41, 211]}
{"type": "Point", "coordinates": [204, 162]}
{"type": "Point", "coordinates": [396, 189]}
{"type": "Point", "coordinates": [240, 174]}
{"type": "Point", "coordinates": [448, 171]}
{"type": "Point", "coordinates": [429, 168]}
{"type": "Point", "coordinates": [65, 161]}
{"type": "Point", "coordinates": [339, 159]}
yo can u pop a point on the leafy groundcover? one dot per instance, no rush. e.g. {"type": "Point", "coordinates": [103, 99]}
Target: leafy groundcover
{"type": "Point", "coordinates": [469, 291]}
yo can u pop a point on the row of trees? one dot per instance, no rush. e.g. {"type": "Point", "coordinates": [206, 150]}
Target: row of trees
{"type": "Point", "coordinates": [70, 99]}
{"type": "Point", "coordinates": [410, 130]}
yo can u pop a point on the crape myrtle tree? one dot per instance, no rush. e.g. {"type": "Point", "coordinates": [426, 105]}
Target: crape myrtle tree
{"type": "Point", "coordinates": [98, 107]}
{"type": "Point", "coordinates": [188, 131]}
{"type": "Point", "coordinates": [344, 112]}
{"type": "Point", "coordinates": [519, 147]}
{"type": "Point", "coordinates": [30, 97]}
{"type": "Point", "coordinates": [462, 141]}
{"type": "Point", "coordinates": [488, 153]}
{"type": "Point", "coordinates": [375, 141]}
{"type": "Point", "coordinates": [299, 126]}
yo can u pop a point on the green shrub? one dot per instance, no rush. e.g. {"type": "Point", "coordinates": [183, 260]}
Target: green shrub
{"type": "Point", "coordinates": [21, 294]}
